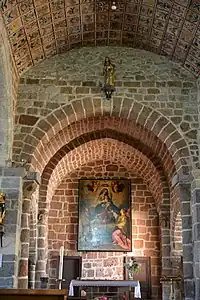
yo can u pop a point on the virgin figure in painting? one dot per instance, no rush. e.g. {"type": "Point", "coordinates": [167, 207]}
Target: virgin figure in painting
{"type": "Point", "coordinates": [106, 209]}
{"type": "Point", "coordinates": [104, 218]}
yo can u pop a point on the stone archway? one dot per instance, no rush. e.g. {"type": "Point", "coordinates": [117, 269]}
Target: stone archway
{"type": "Point", "coordinates": [142, 115]}
{"type": "Point", "coordinates": [99, 149]}
{"type": "Point", "coordinates": [75, 111]}
{"type": "Point", "coordinates": [55, 160]}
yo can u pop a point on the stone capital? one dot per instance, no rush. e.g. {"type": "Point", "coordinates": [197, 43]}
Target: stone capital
{"type": "Point", "coordinates": [42, 217]}
{"type": "Point", "coordinates": [182, 179]}
{"type": "Point", "coordinates": [33, 257]}
{"type": "Point", "coordinates": [29, 187]}
{"type": "Point", "coordinates": [164, 220]}
{"type": "Point", "coordinates": [33, 176]}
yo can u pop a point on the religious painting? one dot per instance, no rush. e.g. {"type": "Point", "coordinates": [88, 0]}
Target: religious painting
{"type": "Point", "coordinates": [104, 215]}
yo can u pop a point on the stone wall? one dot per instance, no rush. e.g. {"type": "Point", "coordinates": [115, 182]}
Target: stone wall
{"type": "Point", "coordinates": [178, 233]}
{"type": "Point", "coordinates": [62, 115]}
{"type": "Point", "coordinates": [196, 231]}
{"type": "Point", "coordinates": [176, 224]}
{"type": "Point", "coordinates": [69, 86]}
{"type": "Point", "coordinates": [63, 226]}
{"type": "Point", "coordinates": [8, 94]}
{"type": "Point", "coordinates": [33, 238]}
{"type": "Point", "coordinates": [11, 185]}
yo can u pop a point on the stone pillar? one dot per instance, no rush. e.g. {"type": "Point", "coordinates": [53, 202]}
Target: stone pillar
{"type": "Point", "coordinates": [164, 219]}
{"type": "Point", "coordinates": [28, 188]}
{"type": "Point", "coordinates": [11, 185]}
{"type": "Point", "coordinates": [196, 210]}
{"type": "Point", "coordinates": [183, 190]}
{"type": "Point", "coordinates": [31, 269]}
{"type": "Point", "coordinates": [33, 239]}
{"type": "Point", "coordinates": [42, 246]}
{"type": "Point", "coordinates": [196, 231]}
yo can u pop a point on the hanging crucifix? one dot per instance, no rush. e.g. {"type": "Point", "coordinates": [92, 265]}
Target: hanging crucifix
{"type": "Point", "coordinates": [109, 78]}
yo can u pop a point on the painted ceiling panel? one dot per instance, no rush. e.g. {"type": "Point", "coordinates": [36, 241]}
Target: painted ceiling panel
{"type": "Point", "coordinates": [38, 29]}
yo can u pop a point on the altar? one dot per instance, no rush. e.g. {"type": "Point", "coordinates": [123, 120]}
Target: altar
{"type": "Point", "coordinates": [130, 284]}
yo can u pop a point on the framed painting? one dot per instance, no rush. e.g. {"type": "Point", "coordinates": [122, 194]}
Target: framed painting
{"type": "Point", "coordinates": [104, 215]}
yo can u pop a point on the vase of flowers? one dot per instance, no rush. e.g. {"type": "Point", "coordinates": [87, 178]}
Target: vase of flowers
{"type": "Point", "coordinates": [132, 267]}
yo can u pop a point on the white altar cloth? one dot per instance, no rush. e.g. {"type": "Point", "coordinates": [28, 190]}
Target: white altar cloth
{"type": "Point", "coordinates": [119, 283]}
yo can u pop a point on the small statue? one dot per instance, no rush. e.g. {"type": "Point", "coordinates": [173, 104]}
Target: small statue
{"type": "Point", "coordinates": [2, 216]}
{"type": "Point", "coordinates": [109, 78]}
{"type": "Point", "coordinates": [2, 207]}
{"type": "Point", "coordinates": [42, 217]}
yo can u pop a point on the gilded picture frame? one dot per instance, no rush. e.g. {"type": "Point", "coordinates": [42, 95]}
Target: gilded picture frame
{"type": "Point", "coordinates": [104, 215]}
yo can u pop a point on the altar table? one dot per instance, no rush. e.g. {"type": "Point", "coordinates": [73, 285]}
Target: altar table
{"type": "Point", "coordinates": [108, 283]}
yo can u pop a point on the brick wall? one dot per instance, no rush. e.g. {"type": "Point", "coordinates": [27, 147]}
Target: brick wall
{"type": "Point", "coordinates": [63, 226]}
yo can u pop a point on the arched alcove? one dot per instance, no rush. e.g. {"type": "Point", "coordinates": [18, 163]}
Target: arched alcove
{"type": "Point", "coordinates": [60, 119]}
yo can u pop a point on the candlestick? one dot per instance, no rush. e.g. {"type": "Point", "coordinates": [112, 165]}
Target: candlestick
{"type": "Point", "coordinates": [61, 266]}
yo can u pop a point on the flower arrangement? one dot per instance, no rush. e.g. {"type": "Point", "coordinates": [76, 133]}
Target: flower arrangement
{"type": "Point", "coordinates": [101, 298]}
{"type": "Point", "coordinates": [132, 266]}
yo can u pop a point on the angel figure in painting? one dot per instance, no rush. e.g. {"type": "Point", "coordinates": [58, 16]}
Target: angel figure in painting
{"type": "Point", "coordinates": [120, 235]}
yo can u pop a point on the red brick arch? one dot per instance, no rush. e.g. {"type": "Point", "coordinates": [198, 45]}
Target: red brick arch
{"type": "Point", "coordinates": [107, 149]}
{"type": "Point", "coordinates": [140, 121]}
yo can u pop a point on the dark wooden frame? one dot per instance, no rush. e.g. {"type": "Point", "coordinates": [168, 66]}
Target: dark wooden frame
{"type": "Point", "coordinates": [79, 258]}
{"type": "Point", "coordinates": [128, 183]}
{"type": "Point", "coordinates": [65, 258]}
{"type": "Point", "coordinates": [140, 260]}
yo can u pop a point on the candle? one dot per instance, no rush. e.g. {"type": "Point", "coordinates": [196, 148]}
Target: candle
{"type": "Point", "coordinates": [61, 263]}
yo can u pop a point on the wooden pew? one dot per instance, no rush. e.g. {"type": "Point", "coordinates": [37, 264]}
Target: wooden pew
{"type": "Point", "coordinates": [20, 294]}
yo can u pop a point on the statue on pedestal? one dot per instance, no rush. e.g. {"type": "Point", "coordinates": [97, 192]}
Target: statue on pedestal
{"type": "Point", "coordinates": [109, 78]}
{"type": "Point", "coordinates": [2, 207]}
{"type": "Point", "coordinates": [2, 215]}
